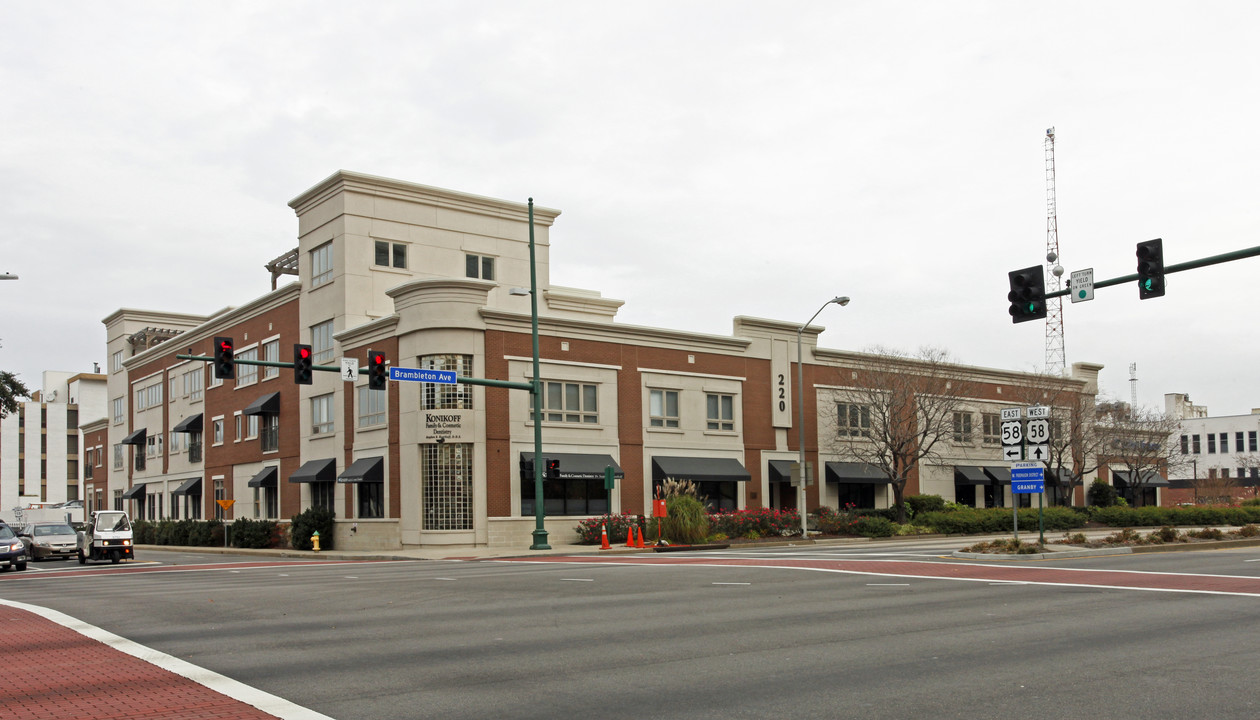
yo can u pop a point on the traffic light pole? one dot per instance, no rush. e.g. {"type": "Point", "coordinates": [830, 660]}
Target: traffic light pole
{"type": "Point", "coordinates": [1170, 269]}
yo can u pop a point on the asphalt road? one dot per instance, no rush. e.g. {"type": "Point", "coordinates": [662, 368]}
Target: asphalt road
{"type": "Point", "coordinates": [615, 640]}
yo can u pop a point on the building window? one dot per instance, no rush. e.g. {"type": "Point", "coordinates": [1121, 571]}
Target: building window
{"type": "Point", "coordinates": [391, 254]}
{"type": "Point", "coordinates": [1251, 441]}
{"type": "Point", "coordinates": [1194, 444]}
{"type": "Point", "coordinates": [1224, 443]}
{"type": "Point", "coordinates": [371, 407]}
{"type": "Point", "coordinates": [992, 428]}
{"type": "Point", "coordinates": [246, 374]}
{"type": "Point", "coordinates": [324, 495]}
{"type": "Point", "coordinates": [447, 482]}
{"type": "Point", "coordinates": [322, 414]}
{"type": "Point", "coordinates": [251, 426]}
{"type": "Point", "coordinates": [1185, 444]}
{"type": "Point", "coordinates": [1238, 442]}
{"type": "Point", "coordinates": [322, 265]}
{"type": "Point", "coordinates": [720, 411]}
{"type": "Point", "coordinates": [570, 402]}
{"type": "Point", "coordinates": [194, 447]}
{"type": "Point", "coordinates": [962, 427]}
{"type": "Point", "coordinates": [270, 434]}
{"type": "Point", "coordinates": [153, 445]}
{"type": "Point", "coordinates": [115, 361]}
{"type": "Point", "coordinates": [444, 396]}
{"type": "Point", "coordinates": [853, 420]}
{"type": "Point", "coordinates": [479, 266]}
{"type": "Point", "coordinates": [147, 397]}
{"type": "Point", "coordinates": [371, 499]}
{"type": "Point", "coordinates": [663, 408]}
{"type": "Point", "coordinates": [118, 456]}
{"type": "Point", "coordinates": [322, 343]}
{"type": "Point", "coordinates": [216, 430]}
{"type": "Point", "coordinates": [220, 493]}
{"type": "Point", "coordinates": [271, 353]}
{"type": "Point", "coordinates": [1211, 442]}
{"type": "Point", "coordinates": [192, 384]}
{"type": "Point", "coordinates": [214, 381]}
{"type": "Point", "coordinates": [117, 405]}
{"type": "Point", "coordinates": [264, 502]}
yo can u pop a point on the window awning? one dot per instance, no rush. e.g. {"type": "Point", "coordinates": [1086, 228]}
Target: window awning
{"type": "Point", "coordinates": [190, 424]}
{"type": "Point", "coordinates": [266, 478]}
{"type": "Point", "coordinates": [134, 492]}
{"type": "Point", "coordinates": [1149, 478]}
{"type": "Point", "coordinates": [970, 475]}
{"type": "Point", "coordinates": [1000, 475]}
{"type": "Point", "coordinates": [856, 473]}
{"type": "Point", "coordinates": [698, 469]}
{"type": "Point", "coordinates": [268, 404]}
{"type": "Point", "coordinates": [577, 466]}
{"type": "Point", "coordinates": [781, 471]}
{"type": "Point", "coordinates": [189, 487]}
{"type": "Point", "coordinates": [315, 471]}
{"type": "Point", "coordinates": [364, 470]}
{"type": "Point", "coordinates": [135, 438]}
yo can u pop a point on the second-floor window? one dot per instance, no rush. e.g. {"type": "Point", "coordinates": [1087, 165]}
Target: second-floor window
{"type": "Point", "coordinates": [962, 427]}
{"type": "Point", "coordinates": [118, 410]}
{"type": "Point", "coordinates": [479, 266]}
{"type": "Point", "coordinates": [322, 414]}
{"type": "Point", "coordinates": [322, 343]}
{"type": "Point", "coordinates": [371, 407]}
{"type": "Point", "coordinates": [246, 374]}
{"type": "Point", "coordinates": [853, 420]}
{"type": "Point", "coordinates": [720, 411]}
{"type": "Point", "coordinates": [271, 353]}
{"type": "Point", "coordinates": [663, 408]}
{"type": "Point", "coordinates": [444, 396]}
{"type": "Point", "coordinates": [570, 402]}
{"type": "Point", "coordinates": [193, 384]}
{"type": "Point", "coordinates": [992, 428]}
{"type": "Point", "coordinates": [270, 433]}
{"type": "Point", "coordinates": [391, 254]}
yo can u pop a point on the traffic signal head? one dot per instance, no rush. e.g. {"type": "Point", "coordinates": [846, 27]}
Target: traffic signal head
{"type": "Point", "coordinates": [378, 373]}
{"type": "Point", "coordinates": [224, 358]}
{"type": "Point", "coordinates": [302, 371]}
{"type": "Point", "coordinates": [1150, 268]}
{"type": "Point", "coordinates": [1028, 294]}
{"type": "Point", "coordinates": [553, 468]}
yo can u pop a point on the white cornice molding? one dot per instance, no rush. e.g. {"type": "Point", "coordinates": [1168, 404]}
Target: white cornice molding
{"type": "Point", "coordinates": [614, 332]}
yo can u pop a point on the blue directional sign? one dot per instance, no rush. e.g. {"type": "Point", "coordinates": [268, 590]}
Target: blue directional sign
{"type": "Point", "coordinates": [448, 377]}
{"type": "Point", "coordinates": [1027, 477]}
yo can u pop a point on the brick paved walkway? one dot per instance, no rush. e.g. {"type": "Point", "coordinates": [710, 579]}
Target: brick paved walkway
{"type": "Point", "coordinates": [1118, 579]}
{"type": "Point", "coordinates": [61, 668]}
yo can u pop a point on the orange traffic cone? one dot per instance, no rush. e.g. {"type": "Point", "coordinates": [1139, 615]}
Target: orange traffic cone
{"type": "Point", "coordinates": [629, 537]}
{"type": "Point", "coordinates": [638, 541]}
{"type": "Point", "coordinates": [603, 531]}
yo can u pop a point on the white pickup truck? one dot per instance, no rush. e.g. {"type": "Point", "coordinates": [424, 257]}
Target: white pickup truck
{"type": "Point", "coordinates": [108, 536]}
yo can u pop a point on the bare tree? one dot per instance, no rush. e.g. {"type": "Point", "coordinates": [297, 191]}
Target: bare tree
{"type": "Point", "coordinates": [897, 410]}
{"type": "Point", "coordinates": [1215, 489]}
{"type": "Point", "coordinates": [1076, 443]}
{"type": "Point", "coordinates": [1140, 440]}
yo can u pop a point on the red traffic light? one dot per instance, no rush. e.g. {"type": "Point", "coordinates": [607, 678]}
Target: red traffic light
{"type": "Point", "coordinates": [304, 352]}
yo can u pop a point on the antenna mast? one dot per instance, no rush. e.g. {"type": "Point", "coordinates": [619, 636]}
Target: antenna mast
{"type": "Point", "coordinates": [1133, 385]}
{"type": "Point", "coordinates": [1056, 357]}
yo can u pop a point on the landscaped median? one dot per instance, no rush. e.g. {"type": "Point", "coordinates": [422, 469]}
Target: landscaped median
{"type": "Point", "coordinates": [1126, 541]}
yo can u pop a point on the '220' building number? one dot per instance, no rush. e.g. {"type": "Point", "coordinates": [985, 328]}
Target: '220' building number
{"type": "Point", "coordinates": [782, 393]}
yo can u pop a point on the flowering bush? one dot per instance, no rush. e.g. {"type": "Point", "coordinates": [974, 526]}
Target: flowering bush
{"type": "Point", "coordinates": [589, 533]}
{"type": "Point", "coordinates": [755, 523]}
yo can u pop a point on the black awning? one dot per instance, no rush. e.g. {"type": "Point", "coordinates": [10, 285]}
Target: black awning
{"type": "Point", "coordinates": [781, 471]}
{"type": "Point", "coordinates": [999, 474]}
{"type": "Point", "coordinates": [855, 473]}
{"type": "Point", "coordinates": [190, 424]}
{"type": "Point", "coordinates": [266, 478]}
{"type": "Point", "coordinates": [699, 469]}
{"type": "Point", "coordinates": [316, 471]}
{"type": "Point", "coordinates": [1150, 478]}
{"type": "Point", "coordinates": [576, 466]}
{"type": "Point", "coordinates": [364, 470]}
{"type": "Point", "coordinates": [189, 487]}
{"type": "Point", "coordinates": [134, 492]}
{"type": "Point", "coordinates": [970, 475]}
{"type": "Point", "coordinates": [268, 404]}
{"type": "Point", "coordinates": [135, 438]}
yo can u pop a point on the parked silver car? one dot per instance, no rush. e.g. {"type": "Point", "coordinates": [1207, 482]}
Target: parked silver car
{"type": "Point", "coordinates": [45, 540]}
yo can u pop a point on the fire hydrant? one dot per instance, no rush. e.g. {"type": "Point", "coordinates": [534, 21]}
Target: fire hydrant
{"type": "Point", "coordinates": [315, 540]}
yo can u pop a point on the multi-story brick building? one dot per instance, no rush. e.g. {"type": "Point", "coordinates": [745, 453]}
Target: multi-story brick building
{"type": "Point", "coordinates": [426, 276]}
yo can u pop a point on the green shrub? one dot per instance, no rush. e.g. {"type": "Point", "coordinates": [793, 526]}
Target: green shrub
{"type": "Point", "coordinates": [919, 504]}
{"type": "Point", "coordinates": [143, 532]}
{"type": "Point", "coordinates": [206, 533]}
{"type": "Point", "coordinates": [687, 521]}
{"type": "Point", "coordinates": [248, 533]}
{"type": "Point", "coordinates": [874, 527]}
{"type": "Point", "coordinates": [1101, 494]}
{"type": "Point", "coordinates": [307, 523]}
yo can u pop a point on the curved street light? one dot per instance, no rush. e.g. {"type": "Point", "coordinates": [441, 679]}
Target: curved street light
{"type": "Point", "coordinates": [840, 300]}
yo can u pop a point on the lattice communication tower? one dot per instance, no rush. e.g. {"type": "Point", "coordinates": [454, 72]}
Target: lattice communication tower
{"type": "Point", "coordinates": [1056, 358]}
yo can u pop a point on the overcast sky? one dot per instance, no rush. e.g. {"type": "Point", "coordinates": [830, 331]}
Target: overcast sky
{"type": "Point", "coordinates": [718, 158]}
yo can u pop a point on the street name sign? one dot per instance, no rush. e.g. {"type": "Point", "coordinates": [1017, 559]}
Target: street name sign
{"type": "Point", "coordinates": [448, 377]}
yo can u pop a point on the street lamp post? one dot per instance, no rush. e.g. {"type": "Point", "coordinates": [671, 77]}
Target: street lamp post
{"type": "Point", "coordinates": [840, 300]}
{"type": "Point", "coordinates": [540, 527]}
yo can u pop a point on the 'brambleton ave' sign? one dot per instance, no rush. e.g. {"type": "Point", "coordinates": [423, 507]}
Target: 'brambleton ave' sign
{"type": "Point", "coordinates": [447, 426]}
